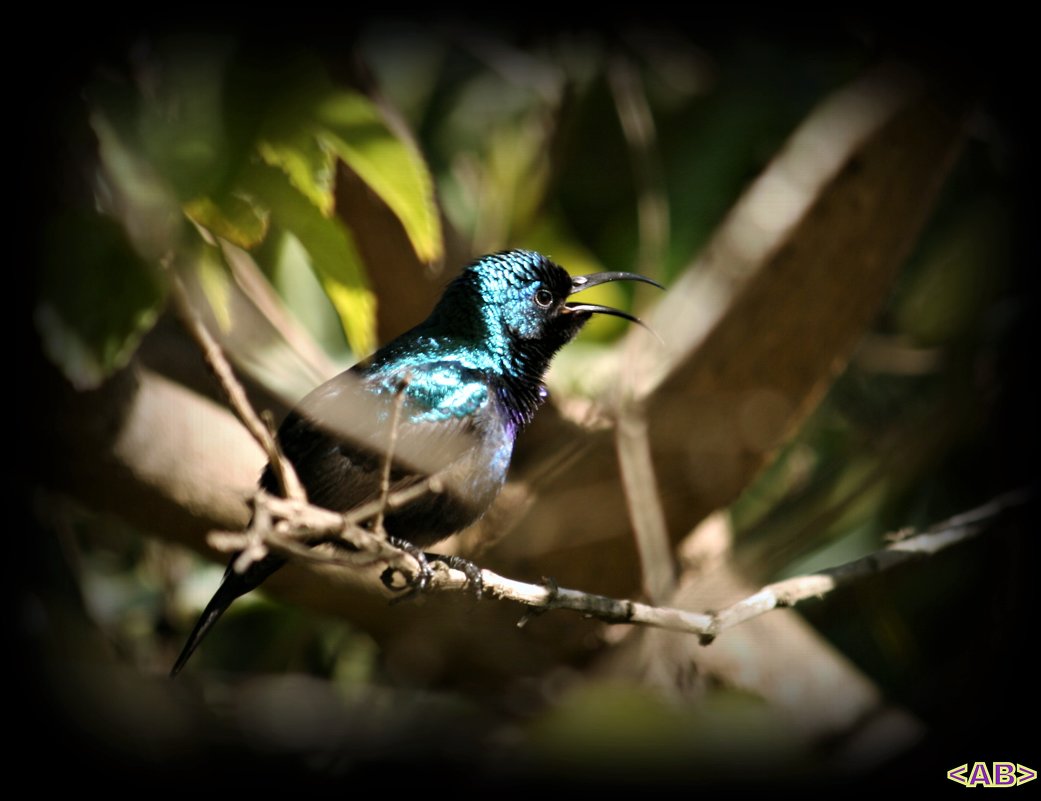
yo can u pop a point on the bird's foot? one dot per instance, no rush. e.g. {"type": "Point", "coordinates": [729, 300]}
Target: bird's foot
{"type": "Point", "coordinates": [421, 581]}
{"type": "Point", "coordinates": [472, 571]}
{"type": "Point", "coordinates": [416, 584]}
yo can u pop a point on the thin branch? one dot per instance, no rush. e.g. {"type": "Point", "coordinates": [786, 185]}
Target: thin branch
{"type": "Point", "coordinates": [253, 549]}
{"type": "Point", "coordinates": [231, 387]}
{"type": "Point", "coordinates": [906, 548]}
{"type": "Point", "coordinates": [293, 526]}
{"type": "Point", "coordinates": [369, 510]}
{"type": "Point", "coordinates": [644, 502]}
{"type": "Point", "coordinates": [388, 456]}
{"type": "Point", "coordinates": [548, 596]}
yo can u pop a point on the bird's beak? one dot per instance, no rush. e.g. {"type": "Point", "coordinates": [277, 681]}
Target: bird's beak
{"type": "Point", "coordinates": [582, 282]}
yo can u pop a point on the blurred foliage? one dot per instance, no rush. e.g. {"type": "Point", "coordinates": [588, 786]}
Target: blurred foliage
{"type": "Point", "coordinates": [606, 731]}
{"type": "Point", "coordinates": [525, 147]}
{"type": "Point", "coordinates": [94, 314]}
{"type": "Point", "coordinates": [194, 129]}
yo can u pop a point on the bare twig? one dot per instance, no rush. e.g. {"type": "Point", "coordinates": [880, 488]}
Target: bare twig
{"type": "Point", "coordinates": [231, 387]}
{"type": "Point", "coordinates": [293, 526]}
{"type": "Point", "coordinates": [799, 588]}
{"type": "Point", "coordinates": [253, 549]}
{"type": "Point", "coordinates": [388, 456]}
{"type": "Point", "coordinates": [369, 510]}
{"type": "Point", "coordinates": [548, 596]}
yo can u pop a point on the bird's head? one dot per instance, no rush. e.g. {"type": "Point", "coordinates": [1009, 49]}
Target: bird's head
{"type": "Point", "coordinates": [524, 301]}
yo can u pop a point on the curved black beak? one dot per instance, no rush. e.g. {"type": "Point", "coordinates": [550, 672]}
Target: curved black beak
{"type": "Point", "coordinates": [581, 282]}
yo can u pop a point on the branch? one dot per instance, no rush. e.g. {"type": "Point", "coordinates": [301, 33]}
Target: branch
{"type": "Point", "coordinates": [781, 594]}
{"type": "Point", "coordinates": [641, 492]}
{"type": "Point", "coordinates": [288, 527]}
{"type": "Point", "coordinates": [232, 389]}
{"type": "Point", "coordinates": [388, 456]}
{"type": "Point", "coordinates": [903, 549]}
{"type": "Point", "coordinates": [292, 528]}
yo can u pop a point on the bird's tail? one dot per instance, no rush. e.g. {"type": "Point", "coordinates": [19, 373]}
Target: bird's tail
{"type": "Point", "coordinates": [233, 586]}
{"type": "Point", "coordinates": [221, 600]}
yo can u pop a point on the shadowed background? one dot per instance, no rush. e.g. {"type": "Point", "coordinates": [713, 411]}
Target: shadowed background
{"type": "Point", "coordinates": [846, 324]}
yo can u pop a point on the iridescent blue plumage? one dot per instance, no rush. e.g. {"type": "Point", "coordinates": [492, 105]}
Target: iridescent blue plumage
{"type": "Point", "coordinates": [468, 380]}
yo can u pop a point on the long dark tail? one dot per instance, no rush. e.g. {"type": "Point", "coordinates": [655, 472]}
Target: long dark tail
{"type": "Point", "coordinates": [233, 586]}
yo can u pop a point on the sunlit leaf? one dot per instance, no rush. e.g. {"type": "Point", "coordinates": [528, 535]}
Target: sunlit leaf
{"type": "Point", "coordinates": [309, 166]}
{"type": "Point", "coordinates": [98, 298]}
{"type": "Point", "coordinates": [353, 128]}
{"type": "Point", "coordinates": [233, 217]}
{"type": "Point", "coordinates": [334, 256]}
{"type": "Point", "coordinates": [289, 270]}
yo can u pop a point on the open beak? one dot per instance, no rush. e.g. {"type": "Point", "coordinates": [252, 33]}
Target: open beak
{"type": "Point", "coordinates": [582, 282]}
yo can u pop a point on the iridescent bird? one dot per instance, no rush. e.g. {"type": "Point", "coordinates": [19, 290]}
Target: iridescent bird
{"type": "Point", "coordinates": [466, 381]}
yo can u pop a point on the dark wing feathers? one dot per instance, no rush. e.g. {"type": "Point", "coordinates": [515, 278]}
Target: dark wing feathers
{"type": "Point", "coordinates": [338, 435]}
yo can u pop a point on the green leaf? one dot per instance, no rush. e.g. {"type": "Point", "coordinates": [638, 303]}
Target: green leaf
{"type": "Point", "coordinates": [288, 267]}
{"type": "Point", "coordinates": [334, 257]}
{"type": "Point", "coordinates": [234, 217]}
{"type": "Point", "coordinates": [98, 298]}
{"type": "Point", "coordinates": [309, 166]}
{"type": "Point", "coordinates": [351, 126]}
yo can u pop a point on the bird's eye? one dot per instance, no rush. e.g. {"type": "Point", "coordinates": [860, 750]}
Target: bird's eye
{"type": "Point", "coordinates": [544, 298]}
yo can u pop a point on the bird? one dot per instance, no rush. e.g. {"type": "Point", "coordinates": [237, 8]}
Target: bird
{"type": "Point", "coordinates": [459, 387]}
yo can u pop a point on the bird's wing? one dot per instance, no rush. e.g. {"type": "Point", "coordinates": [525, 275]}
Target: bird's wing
{"type": "Point", "coordinates": [338, 436]}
